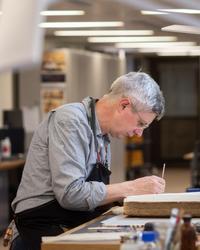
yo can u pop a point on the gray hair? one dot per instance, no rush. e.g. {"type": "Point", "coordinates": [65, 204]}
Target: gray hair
{"type": "Point", "coordinates": [143, 91]}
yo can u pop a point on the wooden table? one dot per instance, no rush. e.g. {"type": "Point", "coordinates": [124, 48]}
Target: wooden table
{"type": "Point", "coordinates": [11, 164]}
{"type": "Point", "coordinates": [92, 245]}
{"type": "Point", "coordinates": [86, 245]}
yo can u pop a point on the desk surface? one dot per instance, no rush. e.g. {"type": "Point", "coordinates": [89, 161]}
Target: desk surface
{"type": "Point", "coordinates": [88, 245]}
{"type": "Point", "coordinates": [95, 245]}
{"type": "Point", "coordinates": [11, 164]}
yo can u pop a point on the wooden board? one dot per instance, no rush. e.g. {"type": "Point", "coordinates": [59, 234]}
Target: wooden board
{"type": "Point", "coordinates": [160, 205]}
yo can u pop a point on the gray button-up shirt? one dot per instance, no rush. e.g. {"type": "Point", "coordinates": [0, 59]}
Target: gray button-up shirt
{"type": "Point", "coordinates": [60, 158]}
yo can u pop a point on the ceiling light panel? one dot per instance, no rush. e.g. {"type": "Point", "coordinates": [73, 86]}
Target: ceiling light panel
{"type": "Point", "coordinates": [132, 39]}
{"type": "Point", "coordinates": [169, 11]}
{"type": "Point", "coordinates": [182, 48]}
{"type": "Point", "coordinates": [62, 13]}
{"type": "Point", "coordinates": [182, 11]}
{"type": "Point", "coordinates": [182, 29]}
{"type": "Point", "coordinates": [166, 53]}
{"type": "Point", "coordinates": [179, 53]}
{"type": "Point", "coordinates": [153, 45]}
{"type": "Point", "coordinates": [103, 32]}
{"type": "Point", "coordinates": [80, 24]}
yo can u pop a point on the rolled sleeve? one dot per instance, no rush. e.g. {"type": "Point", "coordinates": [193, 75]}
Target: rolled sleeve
{"type": "Point", "coordinates": [71, 158]}
{"type": "Point", "coordinates": [91, 193]}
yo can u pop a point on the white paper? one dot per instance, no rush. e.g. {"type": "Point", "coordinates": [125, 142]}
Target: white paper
{"type": "Point", "coordinates": [122, 220]}
{"type": "Point", "coordinates": [166, 197]}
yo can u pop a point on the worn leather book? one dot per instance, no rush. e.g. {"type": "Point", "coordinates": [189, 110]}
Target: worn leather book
{"type": "Point", "coordinates": [160, 205]}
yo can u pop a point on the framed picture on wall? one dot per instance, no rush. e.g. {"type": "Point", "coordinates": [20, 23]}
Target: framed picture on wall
{"type": "Point", "coordinates": [51, 97]}
{"type": "Point", "coordinates": [53, 80]}
{"type": "Point", "coordinates": [54, 67]}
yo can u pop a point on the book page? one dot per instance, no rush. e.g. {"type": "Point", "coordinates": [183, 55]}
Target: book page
{"type": "Point", "coordinates": [165, 197]}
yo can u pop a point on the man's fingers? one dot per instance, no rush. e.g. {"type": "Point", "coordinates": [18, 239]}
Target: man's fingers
{"type": "Point", "coordinates": [159, 179]}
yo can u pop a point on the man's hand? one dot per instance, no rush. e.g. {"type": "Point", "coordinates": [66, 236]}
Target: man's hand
{"type": "Point", "coordinates": [145, 185]}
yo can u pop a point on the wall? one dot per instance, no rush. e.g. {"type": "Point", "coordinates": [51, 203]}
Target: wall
{"type": "Point", "coordinates": [91, 74]}
{"type": "Point", "coordinates": [29, 92]}
{"type": "Point", "coordinates": [6, 96]}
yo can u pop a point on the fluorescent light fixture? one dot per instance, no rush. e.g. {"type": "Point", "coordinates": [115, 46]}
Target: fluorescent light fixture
{"type": "Point", "coordinates": [80, 24]}
{"type": "Point", "coordinates": [153, 45]}
{"type": "Point", "coordinates": [170, 49]}
{"type": "Point", "coordinates": [183, 11]}
{"type": "Point", "coordinates": [149, 12]}
{"type": "Point", "coordinates": [179, 53]}
{"type": "Point", "coordinates": [195, 53]}
{"type": "Point", "coordinates": [169, 11]}
{"type": "Point", "coordinates": [103, 32]}
{"type": "Point", "coordinates": [132, 39]}
{"type": "Point", "coordinates": [182, 29]}
{"type": "Point", "coordinates": [62, 13]}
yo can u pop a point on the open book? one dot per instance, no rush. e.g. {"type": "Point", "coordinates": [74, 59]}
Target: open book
{"type": "Point", "coordinates": [160, 205]}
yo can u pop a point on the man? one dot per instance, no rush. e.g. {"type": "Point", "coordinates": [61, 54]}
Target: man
{"type": "Point", "coordinates": [65, 180]}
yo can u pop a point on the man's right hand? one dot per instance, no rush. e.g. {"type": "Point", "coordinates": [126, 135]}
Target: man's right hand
{"type": "Point", "coordinates": [145, 185]}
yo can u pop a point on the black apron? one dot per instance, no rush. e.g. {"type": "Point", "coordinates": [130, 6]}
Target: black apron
{"type": "Point", "coordinates": [50, 218]}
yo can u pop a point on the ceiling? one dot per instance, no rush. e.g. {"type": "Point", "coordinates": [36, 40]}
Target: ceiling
{"type": "Point", "coordinates": [128, 11]}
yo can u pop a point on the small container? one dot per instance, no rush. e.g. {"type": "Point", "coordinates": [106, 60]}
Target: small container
{"type": "Point", "coordinates": [150, 241]}
{"type": "Point", "coordinates": [6, 148]}
{"type": "Point", "coordinates": [188, 234]}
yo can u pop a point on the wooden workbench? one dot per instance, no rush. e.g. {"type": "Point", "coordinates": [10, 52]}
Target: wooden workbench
{"type": "Point", "coordinates": [11, 164]}
{"type": "Point", "coordinates": [86, 245]}
{"type": "Point", "coordinates": [97, 245]}
{"type": "Point", "coordinates": [92, 245]}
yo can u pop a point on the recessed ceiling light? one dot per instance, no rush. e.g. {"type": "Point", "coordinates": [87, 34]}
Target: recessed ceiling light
{"type": "Point", "coordinates": [80, 24]}
{"type": "Point", "coordinates": [62, 13]}
{"type": "Point", "coordinates": [132, 39]}
{"type": "Point", "coordinates": [103, 32]}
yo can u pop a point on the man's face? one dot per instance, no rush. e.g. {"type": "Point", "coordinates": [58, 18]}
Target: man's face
{"type": "Point", "coordinates": [127, 121]}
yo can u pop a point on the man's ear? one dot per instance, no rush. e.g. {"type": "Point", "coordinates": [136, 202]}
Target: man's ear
{"type": "Point", "coordinates": [123, 103]}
